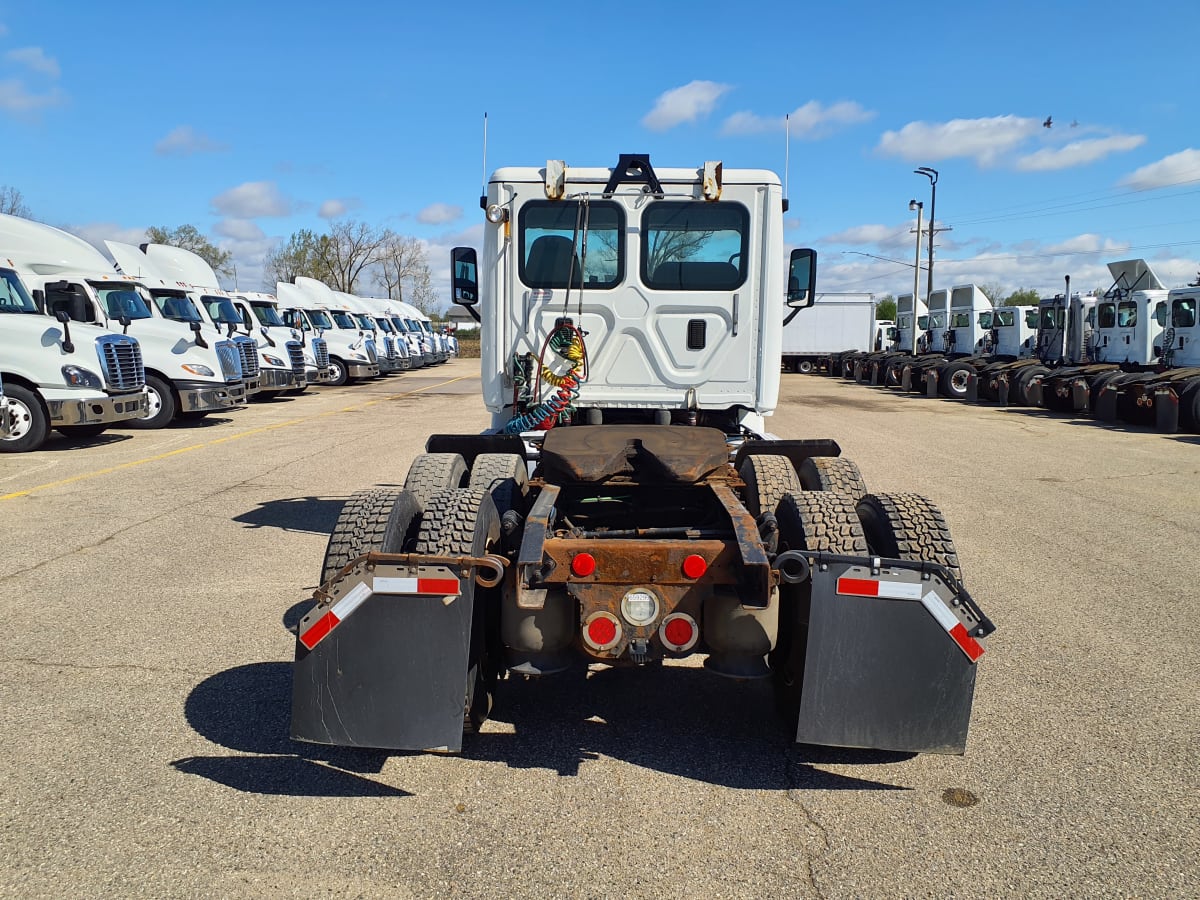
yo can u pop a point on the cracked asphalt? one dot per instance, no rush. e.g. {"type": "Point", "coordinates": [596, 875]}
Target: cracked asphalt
{"type": "Point", "coordinates": [150, 579]}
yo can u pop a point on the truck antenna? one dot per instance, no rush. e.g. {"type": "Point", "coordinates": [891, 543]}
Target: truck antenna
{"type": "Point", "coordinates": [787, 147]}
{"type": "Point", "coordinates": [483, 183]}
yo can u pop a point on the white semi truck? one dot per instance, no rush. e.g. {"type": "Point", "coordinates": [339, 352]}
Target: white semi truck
{"type": "Point", "coordinates": [628, 504]}
{"type": "Point", "coordinates": [76, 378]}
{"type": "Point", "coordinates": [186, 374]}
{"type": "Point", "coordinates": [383, 338]}
{"type": "Point", "coordinates": [836, 324]}
{"type": "Point", "coordinates": [352, 353]}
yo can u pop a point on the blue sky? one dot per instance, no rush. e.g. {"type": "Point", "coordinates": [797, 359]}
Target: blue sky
{"type": "Point", "coordinates": [252, 120]}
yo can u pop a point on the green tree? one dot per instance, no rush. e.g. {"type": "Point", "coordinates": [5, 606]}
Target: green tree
{"type": "Point", "coordinates": [1022, 297]}
{"type": "Point", "coordinates": [189, 238]}
{"type": "Point", "coordinates": [885, 308]}
{"type": "Point", "coordinates": [298, 255]}
{"type": "Point", "coordinates": [12, 202]}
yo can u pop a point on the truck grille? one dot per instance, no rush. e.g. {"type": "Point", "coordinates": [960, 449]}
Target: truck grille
{"type": "Point", "coordinates": [389, 347]}
{"type": "Point", "coordinates": [372, 356]}
{"type": "Point", "coordinates": [231, 361]}
{"type": "Point", "coordinates": [296, 358]}
{"type": "Point", "coordinates": [248, 355]}
{"type": "Point", "coordinates": [122, 360]}
{"type": "Point", "coordinates": [320, 353]}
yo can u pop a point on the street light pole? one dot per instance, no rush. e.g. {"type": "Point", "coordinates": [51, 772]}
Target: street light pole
{"type": "Point", "coordinates": [932, 175]}
{"type": "Point", "coordinates": [917, 205]}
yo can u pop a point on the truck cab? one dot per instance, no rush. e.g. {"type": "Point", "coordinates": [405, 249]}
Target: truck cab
{"type": "Point", "coordinates": [352, 352]}
{"type": "Point", "coordinates": [61, 373]}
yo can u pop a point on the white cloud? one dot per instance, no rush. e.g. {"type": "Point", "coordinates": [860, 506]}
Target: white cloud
{"type": "Point", "coordinates": [862, 235]}
{"type": "Point", "coordinates": [439, 214]}
{"type": "Point", "coordinates": [186, 140]}
{"type": "Point", "coordinates": [16, 97]}
{"type": "Point", "coordinates": [1078, 153]}
{"type": "Point", "coordinates": [35, 58]}
{"type": "Point", "coordinates": [808, 122]}
{"type": "Point", "coordinates": [692, 101]}
{"type": "Point", "coordinates": [337, 206]}
{"type": "Point", "coordinates": [984, 140]}
{"type": "Point", "coordinates": [1178, 168]}
{"type": "Point", "coordinates": [1086, 243]}
{"type": "Point", "coordinates": [252, 199]}
{"type": "Point", "coordinates": [239, 229]}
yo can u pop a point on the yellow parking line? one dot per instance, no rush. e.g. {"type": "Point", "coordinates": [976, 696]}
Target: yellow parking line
{"type": "Point", "coordinates": [86, 476]}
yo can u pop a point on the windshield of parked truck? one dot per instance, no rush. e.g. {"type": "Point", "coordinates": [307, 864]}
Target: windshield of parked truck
{"type": "Point", "coordinates": [1183, 313]}
{"type": "Point", "coordinates": [384, 324]}
{"type": "Point", "coordinates": [426, 327]}
{"type": "Point", "coordinates": [176, 306]}
{"type": "Point", "coordinates": [266, 314]}
{"type": "Point", "coordinates": [221, 310]}
{"type": "Point", "coordinates": [551, 235]}
{"type": "Point", "coordinates": [13, 297]}
{"type": "Point", "coordinates": [343, 319]}
{"type": "Point", "coordinates": [364, 321]}
{"type": "Point", "coordinates": [320, 319]}
{"type": "Point", "coordinates": [121, 301]}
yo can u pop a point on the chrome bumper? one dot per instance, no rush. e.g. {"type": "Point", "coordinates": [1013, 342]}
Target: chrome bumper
{"type": "Point", "coordinates": [210, 397]}
{"type": "Point", "coordinates": [99, 411]}
{"type": "Point", "coordinates": [275, 379]}
{"type": "Point", "coordinates": [362, 370]}
{"type": "Point", "coordinates": [316, 376]}
{"type": "Point", "coordinates": [253, 385]}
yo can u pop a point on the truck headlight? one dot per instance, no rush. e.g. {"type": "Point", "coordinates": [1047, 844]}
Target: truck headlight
{"type": "Point", "coordinates": [274, 361]}
{"type": "Point", "coordinates": [197, 369]}
{"type": "Point", "coordinates": [358, 355]}
{"type": "Point", "coordinates": [77, 376]}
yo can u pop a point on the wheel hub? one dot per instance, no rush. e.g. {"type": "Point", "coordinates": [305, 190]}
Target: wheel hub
{"type": "Point", "coordinates": [20, 419]}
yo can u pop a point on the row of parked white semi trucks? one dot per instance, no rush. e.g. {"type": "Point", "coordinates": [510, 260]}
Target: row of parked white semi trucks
{"type": "Point", "coordinates": [85, 345]}
{"type": "Point", "coordinates": [1131, 354]}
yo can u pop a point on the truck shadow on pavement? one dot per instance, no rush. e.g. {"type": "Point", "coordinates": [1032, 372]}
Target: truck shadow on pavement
{"type": "Point", "coordinates": [676, 720]}
{"type": "Point", "coordinates": [313, 514]}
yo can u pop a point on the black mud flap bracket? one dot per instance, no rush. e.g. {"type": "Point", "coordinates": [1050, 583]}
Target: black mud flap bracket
{"type": "Point", "coordinates": [1166, 410]}
{"type": "Point", "coordinates": [891, 655]}
{"type": "Point", "coordinates": [381, 660]}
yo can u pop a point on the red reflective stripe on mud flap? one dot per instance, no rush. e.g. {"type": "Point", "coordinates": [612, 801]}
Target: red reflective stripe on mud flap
{"type": "Point", "coordinates": [319, 629]}
{"type": "Point", "coordinates": [441, 586]}
{"type": "Point", "coordinates": [969, 645]}
{"type": "Point", "coordinates": [858, 587]}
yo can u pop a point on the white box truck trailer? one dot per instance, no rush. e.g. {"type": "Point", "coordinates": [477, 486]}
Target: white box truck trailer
{"type": "Point", "coordinates": [836, 324]}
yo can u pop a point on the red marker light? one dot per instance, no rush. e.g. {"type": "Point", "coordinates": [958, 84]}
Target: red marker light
{"type": "Point", "coordinates": [679, 632]}
{"type": "Point", "coordinates": [694, 566]}
{"type": "Point", "coordinates": [583, 564]}
{"type": "Point", "coordinates": [602, 631]}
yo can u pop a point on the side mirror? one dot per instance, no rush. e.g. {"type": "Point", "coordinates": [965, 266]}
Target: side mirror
{"type": "Point", "coordinates": [802, 279]}
{"type": "Point", "coordinates": [464, 277]}
{"type": "Point", "coordinates": [62, 315]}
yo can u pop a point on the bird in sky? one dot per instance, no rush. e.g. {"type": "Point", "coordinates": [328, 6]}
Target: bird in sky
{"type": "Point", "coordinates": [1049, 121]}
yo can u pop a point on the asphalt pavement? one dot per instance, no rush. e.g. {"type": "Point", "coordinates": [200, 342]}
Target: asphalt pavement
{"type": "Point", "coordinates": [150, 581]}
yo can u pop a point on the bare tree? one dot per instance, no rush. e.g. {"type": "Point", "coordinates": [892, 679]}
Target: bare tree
{"type": "Point", "coordinates": [403, 272]}
{"type": "Point", "coordinates": [297, 256]}
{"type": "Point", "coordinates": [12, 202]}
{"type": "Point", "coordinates": [347, 251]}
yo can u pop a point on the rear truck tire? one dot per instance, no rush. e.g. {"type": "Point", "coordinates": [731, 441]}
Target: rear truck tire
{"type": "Point", "coordinates": [804, 366]}
{"type": "Point", "coordinates": [816, 521]}
{"type": "Point", "coordinates": [834, 474]}
{"type": "Point", "coordinates": [768, 479]}
{"type": "Point", "coordinates": [338, 373]}
{"type": "Point", "coordinates": [464, 522]}
{"type": "Point", "coordinates": [28, 421]}
{"type": "Point", "coordinates": [504, 476]}
{"type": "Point", "coordinates": [376, 520]}
{"type": "Point", "coordinates": [433, 472]}
{"type": "Point", "coordinates": [162, 406]}
{"type": "Point", "coordinates": [82, 432]}
{"type": "Point", "coordinates": [908, 526]}
{"type": "Point", "coordinates": [954, 380]}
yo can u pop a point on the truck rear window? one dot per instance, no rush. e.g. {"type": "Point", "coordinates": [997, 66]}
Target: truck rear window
{"type": "Point", "coordinates": [689, 246]}
{"type": "Point", "coordinates": [552, 243]}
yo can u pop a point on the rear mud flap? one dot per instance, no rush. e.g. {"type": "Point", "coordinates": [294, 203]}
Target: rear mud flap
{"type": "Point", "coordinates": [393, 675]}
{"type": "Point", "coordinates": [1081, 395]}
{"type": "Point", "coordinates": [1166, 410]}
{"type": "Point", "coordinates": [1106, 403]}
{"type": "Point", "coordinates": [888, 672]}
{"type": "Point", "coordinates": [973, 387]}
